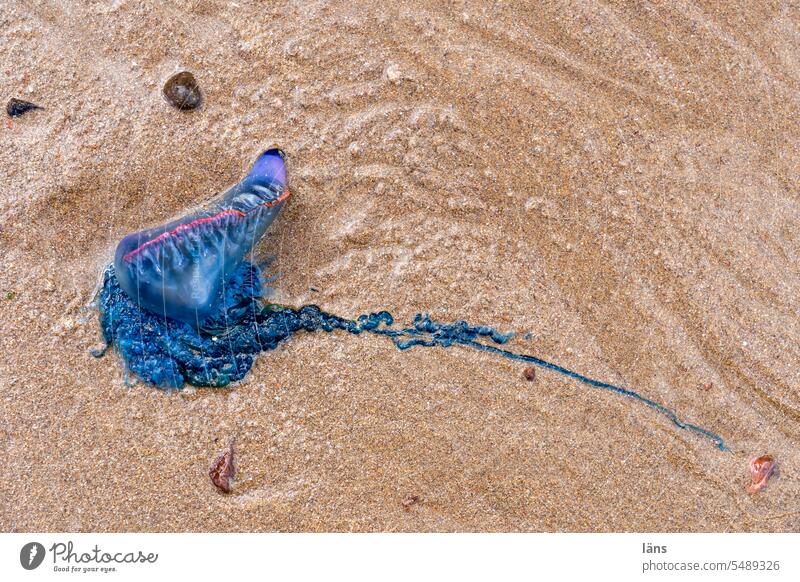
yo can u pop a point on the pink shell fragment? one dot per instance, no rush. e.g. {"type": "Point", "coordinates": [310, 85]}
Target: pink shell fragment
{"type": "Point", "coordinates": [223, 470]}
{"type": "Point", "coordinates": [761, 469]}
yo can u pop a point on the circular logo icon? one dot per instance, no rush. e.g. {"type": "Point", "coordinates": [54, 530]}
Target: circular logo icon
{"type": "Point", "coordinates": [31, 555]}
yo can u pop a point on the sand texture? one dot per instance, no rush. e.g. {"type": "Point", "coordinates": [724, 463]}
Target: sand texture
{"type": "Point", "coordinates": [618, 179]}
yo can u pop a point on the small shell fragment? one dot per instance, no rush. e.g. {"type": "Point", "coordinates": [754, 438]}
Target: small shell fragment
{"type": "Point", "coordinates": [182, 91]}
{"type": "Point", "coordinates": [18, 107]}
{"type": "Point", "coordinates": [410, 500]}
{"type": "Point", "coordinates": [761, 469]}
{"type": "Point", "coordinates": [223, 470]}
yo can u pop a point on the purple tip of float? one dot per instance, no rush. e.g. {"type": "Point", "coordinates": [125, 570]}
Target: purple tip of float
{"type": "Point", "coordinates": [270, 166]}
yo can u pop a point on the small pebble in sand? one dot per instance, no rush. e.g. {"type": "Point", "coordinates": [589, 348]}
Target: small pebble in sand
{"type": "Point", "coordinates": [18, 107]}
{"type": "Point", "coordinates": [182, 91]}
{"type": "Point", "coordinates": [392, 73]}
{"type": "Point", "coordinates": [761, 469]}
{"type": "Point", "coordinates": [708, 386]}
{"type": "Point", "coordinates": [529, 373]}
{"type": "Point", "coordinates": [99, 349]}
{"type": "Point", "coordinates": [410, 500]}
{"type": "Point", "coordinates": [223, 470]}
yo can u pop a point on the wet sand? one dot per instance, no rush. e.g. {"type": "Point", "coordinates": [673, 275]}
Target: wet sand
{"type": "Point", "coordinates": [621, 182]}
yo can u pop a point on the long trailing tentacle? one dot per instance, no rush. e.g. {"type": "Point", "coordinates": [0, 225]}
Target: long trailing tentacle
{"type": "Point", "coordinates": [168, 353]}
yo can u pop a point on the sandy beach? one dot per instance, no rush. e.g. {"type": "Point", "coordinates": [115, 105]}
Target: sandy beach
{"type": "Point", "coordinates": [619, 182]}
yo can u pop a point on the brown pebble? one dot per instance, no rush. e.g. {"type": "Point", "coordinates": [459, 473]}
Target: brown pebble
{"type": "Point", "coordinates": [529, 374]}
{"type": "Point", "coordinates": [708, 386]}
{"type": "Point", "coordinates": [410, 500]}
{"type": "Point", "coordinates": [223, 470]}
{"type": "Point", "coordinates": [182, 91]}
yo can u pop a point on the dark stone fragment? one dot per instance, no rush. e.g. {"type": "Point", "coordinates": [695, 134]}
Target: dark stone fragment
{"type": "Point", "coordinates": [182, 91]}
{"type": "Point", "coordinates": [18, 107]}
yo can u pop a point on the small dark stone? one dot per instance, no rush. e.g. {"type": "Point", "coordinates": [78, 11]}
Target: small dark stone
{"type": "Point", "coordinates": [182, 91]}
{"type": "Point", "coordinates": [529, 374]}
{"type": "Point", "coordinates": [18, 107]}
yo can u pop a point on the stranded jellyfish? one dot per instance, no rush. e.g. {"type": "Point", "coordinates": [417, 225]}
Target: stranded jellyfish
{"type": "Point", "coordinates": [179, 269]}
{"type": "Point", "coordinates": [185, 303]}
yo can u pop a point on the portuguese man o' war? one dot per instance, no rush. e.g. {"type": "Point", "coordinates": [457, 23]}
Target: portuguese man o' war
{"type": "Point", "coordinates": [182, 304]}
{"type": "Point", "coordinates": [179, 269]}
